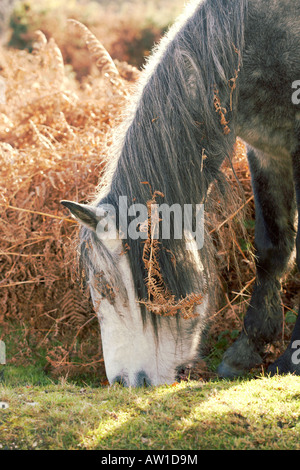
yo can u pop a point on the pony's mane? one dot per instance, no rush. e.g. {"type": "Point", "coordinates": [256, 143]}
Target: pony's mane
{"type": "Point", "coordinates": [180, 128]}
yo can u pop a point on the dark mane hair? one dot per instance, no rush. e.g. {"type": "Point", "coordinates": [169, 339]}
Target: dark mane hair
{"type": "Point", "coordinates": [181, 128]}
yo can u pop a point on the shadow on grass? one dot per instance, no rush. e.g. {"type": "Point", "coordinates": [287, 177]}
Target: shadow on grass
{"type": "Point", "coordinates": [239, 414]}
{"type": "Point", "coordinates": [244, 414]}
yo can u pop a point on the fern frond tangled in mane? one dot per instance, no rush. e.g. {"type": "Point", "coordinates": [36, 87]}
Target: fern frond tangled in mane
{"type": "Point", "coordinates": [160, 300]}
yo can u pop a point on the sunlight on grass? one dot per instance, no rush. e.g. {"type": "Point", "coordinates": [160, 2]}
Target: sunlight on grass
{"type": "Point", "coordinates": [242, 414]}
{"type": "Point", "coordinates": [262, 413]}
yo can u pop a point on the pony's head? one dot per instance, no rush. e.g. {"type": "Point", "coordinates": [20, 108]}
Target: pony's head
{"type": "Point", "coordinates": [137, 351]}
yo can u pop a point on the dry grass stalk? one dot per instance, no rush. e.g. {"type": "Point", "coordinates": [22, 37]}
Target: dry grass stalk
{"type": "Point", "coordinates": [235, 213]}
{"type": "Point", "coordinates": [103, 60]}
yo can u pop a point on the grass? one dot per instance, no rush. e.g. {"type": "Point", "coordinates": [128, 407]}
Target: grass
{"type": "Point", "coordinates": [257, 413]}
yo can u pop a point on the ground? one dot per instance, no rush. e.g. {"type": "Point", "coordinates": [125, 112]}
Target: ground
{"type": "Point", "coordinates": [254, 413]}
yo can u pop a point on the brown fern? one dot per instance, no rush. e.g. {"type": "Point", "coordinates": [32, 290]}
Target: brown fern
{"type": "Point", "coordinates": [160, 300]}
{"type": "Point", "coordinates": [99, 53]}
{"type": "Point", "coordinates": [221, 111]}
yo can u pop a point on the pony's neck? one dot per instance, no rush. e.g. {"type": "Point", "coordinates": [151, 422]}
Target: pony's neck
{"type": "Point", "coordinates": [182, 126]}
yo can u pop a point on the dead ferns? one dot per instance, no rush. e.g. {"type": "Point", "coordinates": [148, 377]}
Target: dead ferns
{"type": "Point", "coordinates": [160, 300]}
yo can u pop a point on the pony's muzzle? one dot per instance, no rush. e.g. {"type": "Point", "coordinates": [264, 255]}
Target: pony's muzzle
{"type": "Point", "coordinates": [141, 379]}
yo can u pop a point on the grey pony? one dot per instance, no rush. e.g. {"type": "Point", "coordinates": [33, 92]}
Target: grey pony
{"type": "Point", "coordinates": [245, 53]}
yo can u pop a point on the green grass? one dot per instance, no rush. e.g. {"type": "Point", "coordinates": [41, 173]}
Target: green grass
{"type": "Point", "coordinates": [260, 413]}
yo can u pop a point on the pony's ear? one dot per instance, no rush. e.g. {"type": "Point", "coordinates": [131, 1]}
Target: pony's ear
{"type": "Point", "coordinates": [84, 213]}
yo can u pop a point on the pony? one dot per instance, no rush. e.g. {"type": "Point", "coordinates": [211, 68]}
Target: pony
{"type": "Point", "coordinates": [226, 68]}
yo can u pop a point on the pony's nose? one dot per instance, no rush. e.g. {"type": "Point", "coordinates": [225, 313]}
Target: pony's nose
{"type": "Point", "coordinates": [121, 380]}
{"type": "Point", "coordinates": [141, 379]}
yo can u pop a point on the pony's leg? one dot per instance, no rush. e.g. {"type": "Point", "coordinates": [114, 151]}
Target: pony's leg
{"type": "Point", "coordinates": [290, 359]}
{"type": "Point", "coordinates": [274, 194]}
{"type": "Point", "coordinates": [289, 362]}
